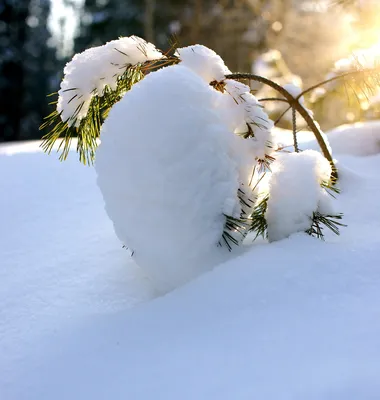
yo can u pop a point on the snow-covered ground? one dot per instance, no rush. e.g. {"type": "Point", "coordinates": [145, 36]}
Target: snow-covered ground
{"type": "Point", "coordinates": [297, 319]}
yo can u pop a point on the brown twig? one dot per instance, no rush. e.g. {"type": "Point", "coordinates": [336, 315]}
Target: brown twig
{"type": "Point", "coordinates": [274, 99]}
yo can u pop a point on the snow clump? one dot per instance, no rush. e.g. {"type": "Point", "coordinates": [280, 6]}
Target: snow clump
{"type": "Point", "coordinates": [295, 192]}
{"type": "Point", "coordinates": [204, 62]}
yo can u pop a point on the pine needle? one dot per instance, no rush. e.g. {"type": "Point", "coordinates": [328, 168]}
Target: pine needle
{"type": "Point", "coordinates": [258, 223]}
{"type": "Point", "coordinates": [319, 221]}
{"type": "Point", "coordinates": [89, 128]}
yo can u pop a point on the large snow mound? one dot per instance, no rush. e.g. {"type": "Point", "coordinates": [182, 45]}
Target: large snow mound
{"type": "Point", "coordinates": [169, 170]}
{"type": "Point", "coordinates": [293, 320]}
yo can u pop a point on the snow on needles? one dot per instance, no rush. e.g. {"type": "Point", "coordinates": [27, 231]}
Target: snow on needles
{"type": "Point", "coordinates": [239, 107]}
{"type": "Point", "coordinates": [249, 114]}
{"type": "Point", "coordinates": [204, 62]}
{"type": "Point", "coordinates": [89, 72]}
{"type": "Point", "coordinates": [168, 170]}
{"type": "Point", "coordinates": [295, 192]}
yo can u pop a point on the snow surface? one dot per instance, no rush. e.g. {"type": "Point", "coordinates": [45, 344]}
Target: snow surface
{"type": "Point", "coordinates": [292, 320]}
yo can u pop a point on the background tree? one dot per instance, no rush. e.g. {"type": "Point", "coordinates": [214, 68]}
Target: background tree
{"type": "Point", "coordinates": [26, 67]}
{"type": "Point", "coordinates": [13, 30]}
{"type": "Point", "coordinates": [105, 20]}
{"type": "Point", "coordinates": [40, 69]}
{"type": "Point", "coordinates": [235, 29]}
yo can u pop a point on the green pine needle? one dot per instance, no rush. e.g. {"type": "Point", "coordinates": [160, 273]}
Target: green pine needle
{"type": "Point", "coordinates": [258, 223]}
{"type": "Point", "coordinates": [319, 221]}
{"type": "Point", "coordinates": [89, 127]}
{"type": "Point", "coordinates": [236, 229]}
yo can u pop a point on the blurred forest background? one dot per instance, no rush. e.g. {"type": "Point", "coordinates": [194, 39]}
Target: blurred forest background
{"type": "Point", "coordinates": [290, 41]}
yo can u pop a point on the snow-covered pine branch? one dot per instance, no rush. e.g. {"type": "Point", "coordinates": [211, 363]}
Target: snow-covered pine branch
{"type": "Point", "coordinates": [93, 82]}
{"type": "Point", "coordinates": [185, 159]}
{"type": "Point", "coordinates": [90, 72]}
{"type": "Point", "coordinates": [253, 122]}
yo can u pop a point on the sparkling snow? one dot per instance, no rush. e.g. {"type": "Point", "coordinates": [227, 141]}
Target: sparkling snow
{"type": "Point", "coordinates": [292, 320]}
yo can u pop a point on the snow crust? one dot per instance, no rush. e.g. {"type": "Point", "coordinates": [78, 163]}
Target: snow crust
{"type": "Point", "coordinates": [89, 72]}
{"type": "Point", "coordinates": [293, 320]}
{"type": "Point", "coordinates": [295, 192]}
{"type": "Point", "coordinates": [172, 175]}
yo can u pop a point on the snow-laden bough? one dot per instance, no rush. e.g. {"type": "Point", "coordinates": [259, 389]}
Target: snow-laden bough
{"type": "Point", "coordinates": [183, 157]}
{"type": "Point", "coordinates": [106, 63]}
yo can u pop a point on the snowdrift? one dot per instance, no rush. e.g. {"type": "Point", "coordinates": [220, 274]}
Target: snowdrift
{"type": "Point", "coordinates": [295, 319]}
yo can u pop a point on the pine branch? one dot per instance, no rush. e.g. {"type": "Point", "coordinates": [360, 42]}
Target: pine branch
{"type": "Point", "coordinates": [293, 102]}
{"type": "Point", "coordinates": [89, 127]}
{"type": "Point", "coordinates": [236, 230]}
{"type": "Point", "coordinates": [258, 223]}
{"type": "Point", "coordinates": [319, 221]}
{"type": "Point", "coordinates": [365, 79]}
{"type": "Point", "coordinates": [330, 188]}
{"type": "Point", "coordinates": [88, 130]}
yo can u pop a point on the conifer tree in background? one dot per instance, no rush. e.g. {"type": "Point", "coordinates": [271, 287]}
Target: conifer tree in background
{"type": "Point", "coordinates": [102, 21]}
{"type": "Point", "coordinates": [13, 30]}
{"type": "Point", "coordinates": [41, 67]}
{"type": "Point", "coordinates": [26, 68]}
{"type": "Point", "coordinates": [237, 30]}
